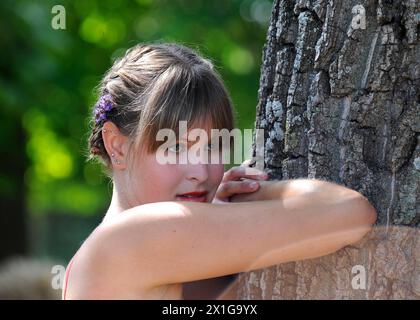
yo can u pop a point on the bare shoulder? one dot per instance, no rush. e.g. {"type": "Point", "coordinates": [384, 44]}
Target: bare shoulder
{"type": "Point", "coordinates": [96, 273]}
{"type": "Point", "coordinates": [105, 267]}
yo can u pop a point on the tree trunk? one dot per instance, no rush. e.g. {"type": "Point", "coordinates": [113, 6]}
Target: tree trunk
{"type": "Point", "coordinates": [338, 101]}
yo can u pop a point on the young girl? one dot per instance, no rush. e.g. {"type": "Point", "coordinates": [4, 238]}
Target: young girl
{"type": "Point", "coordinates": [173, 224]}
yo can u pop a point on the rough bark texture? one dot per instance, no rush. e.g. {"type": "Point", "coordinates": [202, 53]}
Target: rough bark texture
{"type": "Point", "coordinates": [340, 103]}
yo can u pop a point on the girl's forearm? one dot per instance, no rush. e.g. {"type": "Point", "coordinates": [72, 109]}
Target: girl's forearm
{"type": "Point", "coordinates": [282, 189]}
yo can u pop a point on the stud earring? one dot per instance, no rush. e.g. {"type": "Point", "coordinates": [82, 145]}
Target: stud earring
{"type": "Point", "coordinates": [116, 160]}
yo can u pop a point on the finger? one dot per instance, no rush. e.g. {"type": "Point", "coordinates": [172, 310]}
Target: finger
{"type": "Point", "coordinates": [230, 188]}
{"type": "Point", "coordinates": [236, 173]}
{"type": "Point", "coordinates": [247, 164]}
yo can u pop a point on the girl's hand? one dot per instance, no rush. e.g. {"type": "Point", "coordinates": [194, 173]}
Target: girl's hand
{"type": "Point", "coordinates": [237, 180]}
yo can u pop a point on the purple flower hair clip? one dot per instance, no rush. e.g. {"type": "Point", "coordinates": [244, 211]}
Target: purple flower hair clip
{"type": "Point", "coordinates": [102, 107]}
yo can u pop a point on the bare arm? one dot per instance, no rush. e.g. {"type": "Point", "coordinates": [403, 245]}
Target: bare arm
{"type": "Point", "coordinates": [223, 287]}
{"type": "Point", "coordinates": [176, 242]}
{"type": "Point", "coordinates": [282, 189]}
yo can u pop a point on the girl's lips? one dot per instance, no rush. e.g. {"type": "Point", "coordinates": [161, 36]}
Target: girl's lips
{"type": "Point", "coordinates": [193, 197]}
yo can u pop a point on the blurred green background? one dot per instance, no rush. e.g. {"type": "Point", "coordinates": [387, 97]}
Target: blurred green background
{"type": "Point", "coordinates": [51, 198]}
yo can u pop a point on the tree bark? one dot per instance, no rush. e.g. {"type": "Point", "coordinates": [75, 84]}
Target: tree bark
{"type": "Point", "coordinates": [339, 102]}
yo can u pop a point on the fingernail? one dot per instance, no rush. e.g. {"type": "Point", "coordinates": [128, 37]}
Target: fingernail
{"type": "Point", "coordinates": [253, 185]}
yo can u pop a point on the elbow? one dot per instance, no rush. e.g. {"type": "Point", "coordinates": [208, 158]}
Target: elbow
{"type": "Point", "coordinates": [369, 212]}
{"type": "Point", "coordinates": [364, 217]}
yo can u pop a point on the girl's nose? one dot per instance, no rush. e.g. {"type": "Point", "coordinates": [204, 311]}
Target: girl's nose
{"type": "Point", "coordinates": [198, 172]}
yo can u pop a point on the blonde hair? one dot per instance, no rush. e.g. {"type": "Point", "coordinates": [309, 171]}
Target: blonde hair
{"type": "Point", "coordinates": [154, 86]}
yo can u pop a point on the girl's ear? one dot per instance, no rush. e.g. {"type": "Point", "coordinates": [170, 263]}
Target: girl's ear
{"type": "Point", "coordinates": [115, 144]}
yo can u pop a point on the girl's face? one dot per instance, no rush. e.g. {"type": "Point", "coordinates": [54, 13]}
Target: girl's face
{"type": "Point", "coordinates": [155, 182]}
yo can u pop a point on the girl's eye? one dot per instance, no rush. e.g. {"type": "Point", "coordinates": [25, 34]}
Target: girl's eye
{"type": "Point", "coordinates": [214, 146]}
{"type": "Point", "coordinates": [177, 148]}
